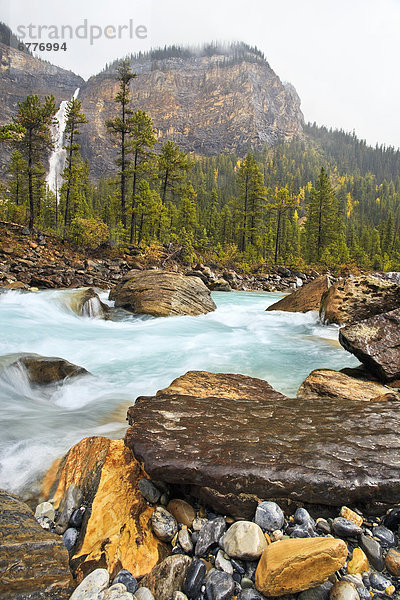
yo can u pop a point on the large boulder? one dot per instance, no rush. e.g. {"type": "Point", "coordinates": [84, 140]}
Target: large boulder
{"type": "Point", "coordinates": [115, 533]}
{"type": "Point", "coordinates": [33, 562]}
{"type": "Point", "coordinates": [163, 294]}
{"type": "Point", "coordinates": [375, 342]}
{"type": "Point", "coordinates": [357, 298]}
{"type": "Point", "coordinates": [41, 370]}
{"type": "Point", "coordinates": [86, 303]}
{"type": "Point", "coordinates": [263, 445]}
{"type": "Point", "coordinates": [305, 298]}
{"type": "Point", "coordinates": [326, 383]}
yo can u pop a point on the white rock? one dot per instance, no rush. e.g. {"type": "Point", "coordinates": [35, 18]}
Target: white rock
{"type": "Point", "coordinates": [45, 509]}
{"type": "Point", "coordinates": [244, 540]}
{"type": "Point", "coordinates": [116, 592]}
{"type": "Point", "coordinates": [198, 523]}
{"type": "Point", "coordinates": [92, 585]}
{"type": "Point", "coordinates": [143, 593]}
{"type": "Point", "coordinates": [223, 564]}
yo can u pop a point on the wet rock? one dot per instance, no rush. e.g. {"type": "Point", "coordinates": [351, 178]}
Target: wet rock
{"type": "Point", "coordinates": [291, 566]}
{"type": "Point", "coordinates": [163, 294]}
{"type": "Point", "coordinates": [182, 511]}
{"type": "Point", "coordinates": [250, 594]}
{"type": "Point", "coordinates": [269, 516]}
{"type": "Point", "coordinates": [306, 298]}
{"type": "Point", "coordinates": [350, 515]}
{"type": "Point", "coordinates": [220, 285]}
{"type": "Point", "coordinates": [259, 442]}
{"type": "Point", "coordinates": [323, 526]}
{"type": "Point", "coordinates": [379, 582]}
{"type": "Point", "coordinates": [164, 524]}
{"type": "Point", "coordinates": [94, 583]}
{"type": "Point", "coordinates": [326, 383]}
{"type": "Point", "coordinates": [86, 303]}
{"type": "Point", "coordinates": [392, 519]}
{"type": "Point", "coordinates": [386, 537]}
{"type": "Point", "coordinates": [167, 577]}
{"type": "Point", "coordinates": [149, 491]}
{"type": "Point", "coordinates": [219, 586]}
{"type": "Point", "coordinates": [345, 528]}
{"type": "Point", "coordinates": [210, 534]}
{"type": "Point", "coordinates": [373, 550]}
{"type": "Point", "coordinates": [392, 562]}
{"type": "Point", "coordinates": [107, 476]}
{"type": "Point", "coordinates": [185, 541]}
{"type": "Point", "coordinates": [374, 342]}
{"type": "Point", "coordinates": [45, 509]}
{"type": "Point", "coordinates": [321, 592]}
{"type": "Point", "coordinates": [143, 593]}
{"type": "Point", "coordinates": [42, 370]}
{"type": "Point", "coordinates": [244, 540]}
{"type": "Point", "coordinates": [31, 559]}
{"type": "Point", "coordinates": [70, 537]}
{"type": "Point", "coordinates": [76, 519]}
{"type": "Point", "coordinates": [359, 562]}
{"type": "Point", "coordinates": [124, 576]}
{"type": "Point", "coordinates": [356, 298]}
{"type": "Point", "coordinates": [194, 579]}
{"type": "Point", "coordinates": [344, 590]}
{"type": "Point", "coordinates": [179, 596]}
{"type": "Point", "coordinates": [115, 592]}
{"type": "Point", "coordinates": [69, 503]}
{"type": "Point", "coordinates": [223, 564]}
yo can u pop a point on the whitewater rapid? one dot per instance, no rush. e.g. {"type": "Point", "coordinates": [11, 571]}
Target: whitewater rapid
{"type": "Point", "coordinates": [137, 356]}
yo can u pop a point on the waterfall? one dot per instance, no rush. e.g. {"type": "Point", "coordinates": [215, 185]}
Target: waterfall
{"type": "Point", "coordinates": [57, 157]}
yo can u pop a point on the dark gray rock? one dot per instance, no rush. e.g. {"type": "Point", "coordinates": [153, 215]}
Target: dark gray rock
{"type": "Point", "coordinates": [164, 524]}
{"type": "Point", "coordinates": [219, 586]}
{"type": "Point", "coordinates": [194, 579]}
{"type": "Point", "coordinates": [373, 550]}
{"type": "Point", "coordinates": [77, 517]}
{"type": "Point", "coordinates": [320, 592]}
{"type": "Point", "coordinates": [124, 576]}
{"type": "Point", "coordinates": [70, 502]}
{"type": "Point", "coordinates": [345, 528]}
{"type": "Point", "coordinates": [379, 582]}
{"type": "Point", "coordinates": [392, 519]}
{"type": "Point", "coordinates": [269, 516]}
{"type": "Point", "coordinates": [385, 536]}
{"type": "Point", "coordinates": [250, 594]}
{"type": "Point", "coordinates": [149, 490]}
{"type": "Point", "coordinates": [69, 538]}
{"type": "Point", "coordinates": [210, 534]}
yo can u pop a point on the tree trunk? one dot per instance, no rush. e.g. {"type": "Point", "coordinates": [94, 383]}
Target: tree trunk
{"type": "Point", "coordinates": [278, 230]}
{"type": "Point", "coordinates": [30, 186]}
{"type": "Point", "coordinates": [69, 178]}
{"type": "Point", "coordinates": [133, 220]}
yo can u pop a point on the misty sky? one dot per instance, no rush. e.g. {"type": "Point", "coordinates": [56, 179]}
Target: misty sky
{"type": "Point", "coordinates": [341, 55]}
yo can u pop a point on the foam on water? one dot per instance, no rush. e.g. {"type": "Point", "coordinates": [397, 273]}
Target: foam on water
{"type": "Point", "coordinates": [136, 356]}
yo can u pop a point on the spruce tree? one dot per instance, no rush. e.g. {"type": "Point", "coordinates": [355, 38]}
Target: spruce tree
{"type": "Point", "coordinates": [252, 194]}
{"type": "Point", "coordinates": [74, 118]}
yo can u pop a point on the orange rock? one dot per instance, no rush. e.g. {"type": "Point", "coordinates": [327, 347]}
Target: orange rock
{"type": "Point", "coordinates": [392, 562]}
{"type": "Point", "coordinates": [291, 566]}
{"type": "Point", "coordinates": [350, 515]}
{"type": "Point", "coordinates": [117, 534]}
{"type": "Point", "coordinates": [359, 563]}
{"type": "Point", "coordinates": [182, 511]}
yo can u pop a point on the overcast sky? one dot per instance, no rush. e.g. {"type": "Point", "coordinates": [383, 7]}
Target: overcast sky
{"type": "Point", "coordinates": [341, 55]}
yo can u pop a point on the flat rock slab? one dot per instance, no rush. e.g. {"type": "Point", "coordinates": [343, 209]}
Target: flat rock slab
{"type": "Point", "coordinates": [376, 343]}
{"type": "Point", "coordinates": [326, 451]}
{"type": "Point", "coordinates": [33, 562]}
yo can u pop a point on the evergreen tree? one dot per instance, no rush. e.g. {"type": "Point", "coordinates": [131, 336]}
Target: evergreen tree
{"type": "Point", "coordinates": [252, 194]}
{"type": "Point", "coordinates": [17, 170]}
{"type": "Point", "coordinates": [72, 171]}
{"type": "Point", "coordinates": [120, 128]}
{"type": "Point", "coordinates": [281, 203]}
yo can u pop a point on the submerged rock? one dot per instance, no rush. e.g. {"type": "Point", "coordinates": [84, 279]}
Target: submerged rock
{"type": "Point", "coordinates": [86, 303]}
{"type": "Point", "coordinates": [291, 566]}
{"type": "Point", "coordinates": [304, 299]}
{"type": "Point", "coordinates": [357, 298]}
{"type": "Point", "coordinates": [375, 342]}
{"type": "Point", "coordinates": [42, 370]}
{"type": "Point", "coordinates": [326, 383]}
{"type": "Point", "coordinates": [163, 294]}
{"type": "Point", "coordinates": [32, 560]}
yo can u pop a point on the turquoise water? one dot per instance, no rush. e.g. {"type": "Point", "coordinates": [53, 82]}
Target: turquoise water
{"type": "Point", "coordinates": [137, 356]}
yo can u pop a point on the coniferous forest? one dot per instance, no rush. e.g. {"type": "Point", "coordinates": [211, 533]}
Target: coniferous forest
{"type": "Point", "coordinates": [326, 199]}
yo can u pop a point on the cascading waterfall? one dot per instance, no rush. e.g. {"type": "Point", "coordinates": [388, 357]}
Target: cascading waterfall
{"type": "Point", "coordinates": [57, 157]}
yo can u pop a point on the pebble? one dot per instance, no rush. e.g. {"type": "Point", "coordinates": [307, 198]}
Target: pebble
{"type": "Point", "coordinates": [238, 567]}
{"type": "Point", "coordinates": [323, 526]}
{"type": "Point", "coordinates": [379, 582]}
{"type": "Point", "coordinates": [199, 523]}
{"type": "Point", "coordinates": [149, 490]}
{"type": "Point", "coordinates": [115, 592]}
{"type": "Point", "coordinates": [344, 590]}
{"type": "Point", "coordinates": [124, 576]}
{"type": "Point", "coordinates": [143, 593]}
{"type": "Point", "coordinates": [178, 595]}
{"type": "Point", "coordinates": [392, 562]}
{"type": "Point", "coordinates": [303, 531]}
{"type": "Point", "coordinates": [69, 538]}
{"type": "Point", "coordinates": [373, 550]}
{"type": "Point", "coordinates": [92, 585]}
{"type": "Point", "coordinates": [210, 534]}
{"type": "Point", "coordinates": [45, 509]}
{"type": "Point", "coordinates": [363, 592]}
{"type": "Point", "coordinates": [269, 516]}
{"type": "Point", "coordinates": [345, 528]}
{"type": "Point", "coordinates": [185, 541]}
{"type": "Point", "coordinates": [223, 564]}
{"type": "Point", "coordinates": [194, 578]}
{"type": "Point", "coordinates": [244, 540]}
{"type": "Point", "coordinates": [250, 594]}
{"type": "Point", "coordinates": [350, 515]}
{"type": "Point", "coordinates": [164, 524]}
{"type": "Point", "coordinates": [359, 562]}
{"type": "Point", "coordinates": [219, 586]}
{"type": "Point", "coordinates": [385, 536]}
{"type": "Point", "coordinates": [392, 519]}
{"type": "Point", "coordinates": [77, 517]}
{"type": "Point", "coordinates": [320, 592]}
{"type": "Point", "coordinates": [246, 583]}
{"type": "Point", "coordinates": [182, 511]}
{"type": "Point", "coordinates": [303, 517]}
{"type": "Point", "coordinates": [276, 535]}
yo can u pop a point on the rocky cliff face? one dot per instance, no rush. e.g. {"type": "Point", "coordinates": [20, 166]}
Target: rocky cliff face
{"type": "Point", "coordinates": [22, 74]}
{"type": "Point", "coordinates": [207, 104]}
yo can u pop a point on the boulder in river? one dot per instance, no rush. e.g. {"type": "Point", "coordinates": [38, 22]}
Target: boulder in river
{"type": "Point", "coordinates": [305, 298]}
{"type": "Point", "coordinates": [163, 294]}
{"type": "Point", "coordinates": [33, 562]}
{"type": "Point", "coordinates": [86, 303]}
{"type": "Point", "coordinates": [266, 446]}
{"type": "Point", "coordinates": [326, 383]}
{"type": "Point", "coordinates": [107, 476]}
{"type": "Point", "coordinates": [42, 370]}
{"type": "Point", "coordinates": [375, 342]}
{"type": "Point", "coordinates": [356, 298]}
